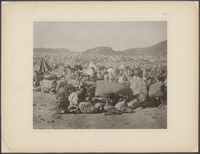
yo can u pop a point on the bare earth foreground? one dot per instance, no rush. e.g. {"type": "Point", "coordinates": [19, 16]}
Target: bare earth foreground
{"type": "Point", "coordinates": [45, 116]}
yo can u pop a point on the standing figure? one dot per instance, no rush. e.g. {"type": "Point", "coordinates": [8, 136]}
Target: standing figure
{"type": "Point", "coordinates": [106, 77]}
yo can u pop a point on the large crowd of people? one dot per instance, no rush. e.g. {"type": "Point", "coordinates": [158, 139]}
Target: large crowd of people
{"type": "Point", "coordinates": [79, 96]}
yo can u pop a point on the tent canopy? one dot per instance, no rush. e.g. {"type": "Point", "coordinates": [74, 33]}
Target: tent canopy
{"type": "Point", "coordinates": [92, 65]}
{"type": "Point", "coordinates": [42, 66]}
{"type": "Point", "coordinates": [122, 67]}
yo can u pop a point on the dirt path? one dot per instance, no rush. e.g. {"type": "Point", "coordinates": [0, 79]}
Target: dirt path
{"type": "Point", "coordinates": [45, 117]}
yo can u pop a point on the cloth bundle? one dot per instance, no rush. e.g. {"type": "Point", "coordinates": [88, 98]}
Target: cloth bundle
{"type": "Point", "coordinates": [156, 90]}
{"type": "Point", "coordinates": [133, 103]}
{"type": "Point", "coordinates": [120, 105]}
{"type": "Point", "coordinates": [108, 89]}
{"type": "Point", "coordinates": [139, 88]}
{"type": "Point", "coordinates": [48, 85]}
{"type": "Point", "coordinates": [87, 107]}
{"type": "Point", "coordinates": [73, 99]}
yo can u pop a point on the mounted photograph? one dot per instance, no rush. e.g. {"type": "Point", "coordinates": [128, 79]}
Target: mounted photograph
{"type": "Point", "coordinates": [100, 75]}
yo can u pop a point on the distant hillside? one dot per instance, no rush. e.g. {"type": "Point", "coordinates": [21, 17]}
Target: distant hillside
{"type": "Point", "coordinates": [100, 50]}
{"type": "Point", "coordinates": [157, 49]}
{"type": "Point", "coordinates": [50, 50]}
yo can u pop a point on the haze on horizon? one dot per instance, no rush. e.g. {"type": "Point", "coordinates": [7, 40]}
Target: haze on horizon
{"type": "Point", "coordinates": [84, 35]}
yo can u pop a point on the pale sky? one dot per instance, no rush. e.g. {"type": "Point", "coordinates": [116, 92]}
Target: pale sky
{"type": "Point", "coordinates": [80, 36]}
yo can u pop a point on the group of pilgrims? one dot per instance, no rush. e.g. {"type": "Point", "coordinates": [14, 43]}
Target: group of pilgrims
{"type": "Point", "coordinates": [121, 74]}
{"type": "Point", "coordinates": [82, 96]}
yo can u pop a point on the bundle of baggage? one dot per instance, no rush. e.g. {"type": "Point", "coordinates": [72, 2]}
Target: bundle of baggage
{"type": "Point", "coordinates": [106, 97]}
{"type": "Point", "coordinates": [48, 86]}
{"type": "Point", "coordinates": [100, 96]}
{"type": "Point", "coordinates": [139, 89]}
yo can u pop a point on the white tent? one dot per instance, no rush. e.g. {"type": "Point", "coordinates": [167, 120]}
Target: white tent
{"type": "Point", "coordinates": [122, 67]}
{"type": "Point", "coordinates": [92, 65]}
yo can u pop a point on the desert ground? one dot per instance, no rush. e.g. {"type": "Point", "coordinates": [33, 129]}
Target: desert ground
{"type": "Point", "coordinates": [46, 116]}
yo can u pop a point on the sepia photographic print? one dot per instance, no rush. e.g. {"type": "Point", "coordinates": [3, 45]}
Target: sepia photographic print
{"type": "Point", "coordinates": [100, 75]}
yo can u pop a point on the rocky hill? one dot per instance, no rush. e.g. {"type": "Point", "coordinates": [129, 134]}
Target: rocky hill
{"type": "Point", "coordinates": [100, 50]}
{"type": "Point", "coordinates": [157, 49]}
{"type": "Point", "coordinates": [50, 50]}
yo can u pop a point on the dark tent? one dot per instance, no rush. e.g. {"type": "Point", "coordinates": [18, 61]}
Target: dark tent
{"type": "Point", "coordinates": [79, 67]}
{"type": "Point", "coordinates": [42, 66]}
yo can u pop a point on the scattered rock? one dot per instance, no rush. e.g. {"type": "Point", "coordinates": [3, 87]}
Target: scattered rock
{"type": "Point", "coordinates": [63, 111]}
{"type": "Point", "coordinates": [50, 121]}
{"type": "Point", "coordinates": [139, 108]}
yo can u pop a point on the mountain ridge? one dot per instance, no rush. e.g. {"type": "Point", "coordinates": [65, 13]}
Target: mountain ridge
{"type": "Point", "coordinates": [156, 49]}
